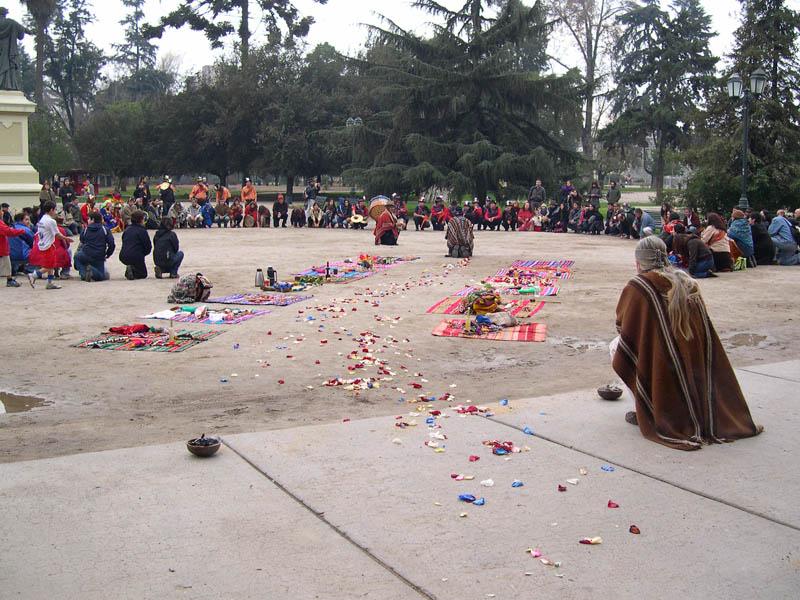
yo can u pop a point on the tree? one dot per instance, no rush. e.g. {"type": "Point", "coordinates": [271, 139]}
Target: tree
{"type": "Point", "coordinates": [768, 37]}
{"type": "Point", "coordinates": [51, 151]}
{"type": "Point", "coordinates": [73, 62]}
{"type": "Point", "coordinates": [463, 114]}
{"type": "Point", "coordinates": [41, 12]}
{"type": "Point", "coordinates": [665, 71]}
{"type": "Point", "coordinates": [280, 17]}
{"type": "Point", "coordinates": [116, 140]}
{"type": "Point", "coordinates": [137, 52]}
{"type": "Point", "coordinates": [590, 24]}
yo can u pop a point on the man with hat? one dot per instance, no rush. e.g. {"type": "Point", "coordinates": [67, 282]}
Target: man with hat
{"type": "Point", "coordinates": [440, 214]}
{"type": "Point", "coordinates": [166, 193]}
{"type": "Point", "coordinates": [386, 232]}
{"type": "Point", "coordinates": [249, 193]}
{"type": "Point", "coordinates": [199, 192]}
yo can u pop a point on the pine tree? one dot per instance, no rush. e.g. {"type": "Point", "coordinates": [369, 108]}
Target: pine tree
{"type": "Point", "coordinates": [137, 52]}
{"type": "Point", "coordinates": [768, 37]}
{"type": "Point", "coordinates": [281, 18]}
{"type": "Point", "coordinates": [464, 115]}
{"type": "Point", "coordinates": [665, 70]}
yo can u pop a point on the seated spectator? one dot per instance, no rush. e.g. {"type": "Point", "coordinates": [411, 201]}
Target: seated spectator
{"type": "Point", "coordinates": [315, 217]}
{"type": "Point", "coordinates": [341, 213]}
{"type": "Point", "coordinates": [641, 221]}
{"type": "Point", "coordinates": [492, 217]}
{"type": "Point", "coordinates": [167, 256]}
{"type": "Point", "coordinates": [575, 218]}
{"type": "Point", "coordinates": [178, 215]}
{"type": "Point", "coordinates": [207, 213]}
{"type": "Point", "coordinates": [360, 215]}
{"type": "Point", "coordinates": [763, 247]}
{"type": "Point", "coordinates": [386, 232]}
{"type": "Point", "coordinates": [780, 230]}
{"type": "Point", "coordinates": [236, 213]}
{"type": "Point", "coordinates": [422, 215]}
{"type": "Point", "coordinates": [194, 217]}
{"type": "Point", "coordinates": [251, 214]}
{"type": "Point", "coordinates": [97, 245]}
{"type": "Point", "coordinates": [20, 246]}
{"type": "Point", "coordinates": [280, 212]}
{"type": "Point", "coordinates": [715, 236]}
{"type": "Point", "coordinates": [264, 216]}
{"type": "Point", "coordinates": [298, 217]}
{"type": "Point", "coordinates": [694, 254]}
{"type": "Point", "coordinates": [221, 213]}
{"type": "Point", "coordinates": [474, 213]}
{"type": "Point", "coordinates": [440, 214]}
{"type": "Point", "coordinates": [592, 220]}
{"type": "Point", "coordinates": [136, 246]}
{"type": "Point", "coordinates": [691, 220]}
{"type": "Point", "coordinates": [510, 218]}
{"type": "Point", "coordinates": [525, 218]}
{"type": "Point", "coordinates": [739, 232]}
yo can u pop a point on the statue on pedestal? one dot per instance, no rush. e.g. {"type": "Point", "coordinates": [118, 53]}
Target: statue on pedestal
{"type": "Point", "coordinates": [11, 33]}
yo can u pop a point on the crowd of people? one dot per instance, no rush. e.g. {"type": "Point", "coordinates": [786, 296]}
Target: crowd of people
{"type": "Point", "coordinates": [37, 241]}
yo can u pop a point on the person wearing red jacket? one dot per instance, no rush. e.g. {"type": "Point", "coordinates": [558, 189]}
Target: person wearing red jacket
{"type": "Point", "coordinates": [5, 258]}
{"type": "Point", "coordinates": [440, 214]}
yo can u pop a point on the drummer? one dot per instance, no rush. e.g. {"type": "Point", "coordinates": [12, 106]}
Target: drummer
{"type": "Point", "coordinates": [386, 231]}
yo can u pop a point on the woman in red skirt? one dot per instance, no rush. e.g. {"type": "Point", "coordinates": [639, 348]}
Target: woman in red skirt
{"type": "Point", "coordinates": [45, 253]}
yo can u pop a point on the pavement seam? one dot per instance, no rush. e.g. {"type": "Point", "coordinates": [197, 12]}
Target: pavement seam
{"type": "Point", "coordinates": [343, 534]}
{"type": "Point", "coordinates": [770, 376]}
{"type": "Point", "coordinates": [651, 476]}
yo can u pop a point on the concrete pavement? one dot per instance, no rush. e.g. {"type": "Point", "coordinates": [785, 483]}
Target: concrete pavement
{"type": "Point", "coordinates": [366, 509]}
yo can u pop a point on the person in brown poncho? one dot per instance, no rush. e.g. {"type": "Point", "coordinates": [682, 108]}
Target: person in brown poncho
{"type": "Point", "coordinates": [672, 360]}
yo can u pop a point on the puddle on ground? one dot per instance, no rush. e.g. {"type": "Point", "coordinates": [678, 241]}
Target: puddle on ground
{"type": "Point", "coordinates": [751, 340]}
{"type": "Point", "coordinates": [577, 344]}
{"type": "Point", "coordinates": [11, 403]}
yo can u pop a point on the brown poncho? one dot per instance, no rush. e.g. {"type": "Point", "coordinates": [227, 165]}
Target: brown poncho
{"type": "Point", "coordinates": [686, 391]}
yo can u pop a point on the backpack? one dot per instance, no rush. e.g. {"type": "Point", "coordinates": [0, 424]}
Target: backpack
{"type": "Point", "coordinates": [190, 289]}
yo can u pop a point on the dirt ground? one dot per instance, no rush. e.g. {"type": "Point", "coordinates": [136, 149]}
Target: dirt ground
{"type": "Point", "coordinates": [103, 399]}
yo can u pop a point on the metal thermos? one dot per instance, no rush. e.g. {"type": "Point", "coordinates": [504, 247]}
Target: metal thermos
{"type": "Point", "coordinates": [259, 278]}
{"type": "Point", "coordinates": [272, 275]}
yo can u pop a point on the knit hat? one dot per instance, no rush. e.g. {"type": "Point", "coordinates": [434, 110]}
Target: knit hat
{"type": "Point", "coordinates": [737, 214]}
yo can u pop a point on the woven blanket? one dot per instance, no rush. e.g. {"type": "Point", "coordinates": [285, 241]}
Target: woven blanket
{"type": "Point", "coordinates": [350, 270]}
{"type": "Point", "coordinates": [520, 308]}
{"type": "Point", "coordinates": [148, 342]}
{"type": "Point", "coordinates": [213, 318]}
{"type": "Point", "coordinates": [529, 332]}
{"type": "Point", "coordinates": [545, 291]}
{"type": "Point", "coordinates": [545, 264]}
{"type": "Point", "coordinates": [259, 299]}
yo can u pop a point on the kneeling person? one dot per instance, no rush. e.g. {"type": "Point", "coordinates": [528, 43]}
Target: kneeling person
{"type": "Point", "coordinates": [386, 231]}
{"type": "Point", "coordinates": [166, 250]}
{"type": "Point", "coordinates": [97, 244]}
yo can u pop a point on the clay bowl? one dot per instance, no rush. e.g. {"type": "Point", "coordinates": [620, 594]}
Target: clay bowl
{"type": "Point", "coordinates": [610, 392]}
{"type": "Point", "coordinates": [203, 449]}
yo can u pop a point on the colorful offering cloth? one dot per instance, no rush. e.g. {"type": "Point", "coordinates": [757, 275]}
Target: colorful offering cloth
{"type": "Point", "coordinates": [520, 308]}
{"type": "Point", "coordinates": [224, 317]}
{"type": "Point", "coordinates": [344, 271]}
{"type": "Point", "coordinates": [528, 332]}
{"type": "Point", "coordinates": [259, 299]}
{"type": "Point", "coordinates": [154, 340]}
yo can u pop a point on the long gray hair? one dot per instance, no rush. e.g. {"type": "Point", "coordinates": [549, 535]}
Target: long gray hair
{"type": "Point", "coordinates": [652, 255]}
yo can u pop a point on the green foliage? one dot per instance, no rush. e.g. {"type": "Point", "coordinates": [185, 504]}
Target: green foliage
{"type": "Point", "coordinates": [137, 52]}
{"type": "Point", "coordinates": [49, 143]}
{"type": "Point", "coordinates": [73, 62]}
{"type": "Point", "coordinates": [460, 112]}
{"type": "Point", "coordinates": [281, 19]}
{"type": "Point", "coordinates": [665, 70]}
{"type": "Point", "coordinates": [115, 140]}
{"type": "Point", "coordinates": [27, 74]}
{"type": "Point", "coordinates": [768, 38]}
{"type": "Point", "coordinates": [41, 13]}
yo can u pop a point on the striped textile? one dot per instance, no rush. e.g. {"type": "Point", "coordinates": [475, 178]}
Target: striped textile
{"type": "Point", "coordinates": [546, 264]}
{"type": "Point", "coordinates": [529, 332]}
{"type": "Point", "coordinates": [520, 308]}
{"type": "Point", "coordinates": [257, 299]}
{"type": "Point", "coordinates": [148, 342]}
{"type": "Point", "coordinates": [180, 316]}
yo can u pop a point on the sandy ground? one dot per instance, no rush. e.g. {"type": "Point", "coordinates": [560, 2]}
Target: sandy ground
{"type": "Point", "coordinates": [104, 399]}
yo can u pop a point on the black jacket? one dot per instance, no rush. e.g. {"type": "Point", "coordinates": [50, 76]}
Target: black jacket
{"type": "Point", "coordinates": [165, 245]}
{"type": "Point", "coordinates": [762, 244]}
{"type": "Point", "coordinates": [135, 244]}
{"type": "Point", "coordinates": [97, 243]}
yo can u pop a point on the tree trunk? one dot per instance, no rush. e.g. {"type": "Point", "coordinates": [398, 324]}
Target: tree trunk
{"type": "Point", "coordinates": [289, 186]}
{"type": "Point", "coordinates": [38, 94]}
{"type": "Point", "coordinates": [591, 84]}
{"type": "Point", "coordinates": [658, 168]}
{"type": "Point", "coordinates": [244, 31]}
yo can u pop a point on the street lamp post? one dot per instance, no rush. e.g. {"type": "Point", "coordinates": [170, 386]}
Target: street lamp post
{"type": "Point", "coordinates": [736, 90]}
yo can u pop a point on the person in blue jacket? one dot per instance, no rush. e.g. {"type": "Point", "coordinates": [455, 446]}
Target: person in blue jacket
{"type": "Point", "coordinates": [21, 245]}
{"type": "Point", "coordinates": [97, 244]}
{"type": "Point", "coordinates": [208, 214]}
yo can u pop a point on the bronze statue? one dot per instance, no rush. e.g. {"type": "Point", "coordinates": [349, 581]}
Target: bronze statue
{"type": "Point", "coordinates": [10, 33]}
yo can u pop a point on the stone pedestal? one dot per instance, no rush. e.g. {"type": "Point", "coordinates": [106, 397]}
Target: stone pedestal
{"type": "Point", "coordinates": [19, 181]}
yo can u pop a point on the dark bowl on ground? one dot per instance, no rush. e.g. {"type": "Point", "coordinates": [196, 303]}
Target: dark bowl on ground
{"type": "Point", "coordinates": [610, 392]}
{"type": "Point", "coordinates": [204, 450]}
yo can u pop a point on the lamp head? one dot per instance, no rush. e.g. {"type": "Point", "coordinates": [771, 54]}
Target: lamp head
{"type": "Point", "coordinates": [757, 81]}
{"type": "Point", "coordinates": [735, 86]}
